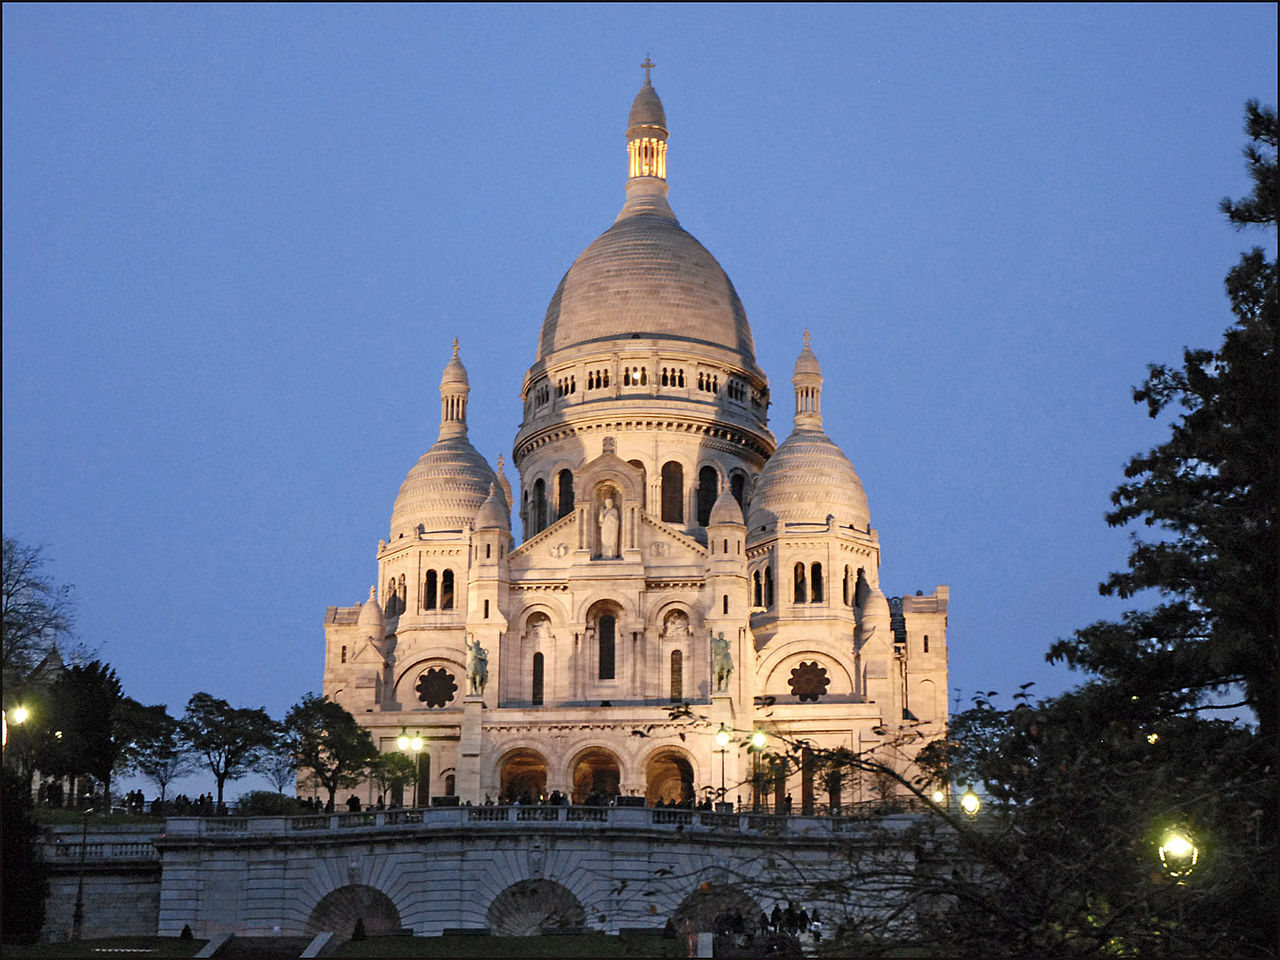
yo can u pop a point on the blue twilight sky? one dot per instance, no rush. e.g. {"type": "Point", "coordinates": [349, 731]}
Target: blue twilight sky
{"type": "Point", "coordinates": [238, 241]}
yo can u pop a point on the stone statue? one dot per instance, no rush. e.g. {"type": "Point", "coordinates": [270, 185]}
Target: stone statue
{"type": "Point", "coordinates": [721, 662]}
{"type": "Point", "coordinates": [477, 668]}
{"type": "Point", "coordinates": [610, 524]}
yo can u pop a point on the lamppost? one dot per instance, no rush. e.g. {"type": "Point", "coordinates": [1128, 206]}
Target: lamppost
{"type": "Point", "coordinates": [970, 803]}
{"type": "Point", "coordinates": [415, 744]}
{"type": "Point", "coordinates": [759, 740]}
{"type": "Point", "coordinates": [722, 741]}
{"type": "Point", "coordinates": [77, 914]}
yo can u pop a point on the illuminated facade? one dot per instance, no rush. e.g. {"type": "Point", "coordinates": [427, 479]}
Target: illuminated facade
{"type": "Point", "coordinates": [673, 558]}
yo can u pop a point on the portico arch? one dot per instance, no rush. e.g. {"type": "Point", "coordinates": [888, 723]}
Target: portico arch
{"type": "Point", "coordinates": [522, 771]}
{"type": "Point", "coordinates": [668, 776]}
{"type": "Point", "coordinates": [717, 908]}
{"type": "Point", "coordinates": [596, 775]}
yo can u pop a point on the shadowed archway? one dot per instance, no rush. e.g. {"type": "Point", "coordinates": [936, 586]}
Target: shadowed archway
{"type": "Point", "coordinates": [338, 911]}
{"type": "Point", "coordinates": [529, 907]}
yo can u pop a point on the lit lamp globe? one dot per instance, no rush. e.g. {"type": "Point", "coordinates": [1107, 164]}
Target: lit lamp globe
{"type": "Point", "coordinates": [20, 714]}
{"type": "Point", "coordinates": [722, 737]}
{"type": "Point", "coordinates": [758, 740]}
{"type": "Point", "coordinates": [939, 795]}
{"type": "Point", "coordinates": [970, 803]}
{"type": "Point", "coordinates": [1178, 854]}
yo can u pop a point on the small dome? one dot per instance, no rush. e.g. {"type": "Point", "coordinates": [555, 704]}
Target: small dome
{"type": "Point", "coordinates": [493, 514]}
{"type": "Point", "coordinates": [454, 371]}
{"type": "Point", "coordinates": [876, 607]}
{"type": "Point", "coordinates": [444, 490]}
{"type": "Point", "coordinates": [371, 616]}
{"type": "Point", "coordinates": [725, 509]}
{"type": "Point", "coordinates": [808, 479]}
{"type": "Point", "coordinates": [646, 110]}
{"type": "Point", "coordinates": [807, 362]}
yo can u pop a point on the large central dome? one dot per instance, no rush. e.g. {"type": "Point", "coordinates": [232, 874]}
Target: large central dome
{"type": "Point", "coordinates": [646, 277]}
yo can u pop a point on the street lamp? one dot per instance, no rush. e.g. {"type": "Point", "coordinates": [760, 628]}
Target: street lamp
{"type": "Point", "coordinates": [16, 716]}
{"type": "Point", "coordinates": [405, 742]}
{"type": "Point", "coordinates": [970, 803]}
{"type": "Point", "coordinates": [757, 744]}
{"type": "Point", "coordinates": [939, 796]}
{"type": "Point", "coordinates": [1178, 854]}
{"type": "Point", "coordinates": [77, 914]}
{"type": "Point", "coordinates": [722, 741]}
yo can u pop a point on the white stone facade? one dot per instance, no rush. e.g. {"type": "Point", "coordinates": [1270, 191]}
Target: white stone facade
{"type": "Point", "coordinates": [657, 513]}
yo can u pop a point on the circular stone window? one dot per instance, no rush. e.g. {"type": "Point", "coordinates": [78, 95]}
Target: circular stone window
{"type": "Point", "coordinates": [809, 681]}
{"type": "Point", "coordinates": [436, 687]}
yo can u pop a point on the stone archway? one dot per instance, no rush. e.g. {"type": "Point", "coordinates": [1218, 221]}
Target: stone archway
{"type": "Point", "coordinates": [717, 908]}
{"type": "Point", "coordinates": [529, 907]}
{"type": "Point", "coordinates": [522, 771]}
{"type": "Point", "coordinates": [596, 776]}
{"type": "Point", "coordinates": [668, 777]}
{"type": "Point", "coordinates": [339, 910]}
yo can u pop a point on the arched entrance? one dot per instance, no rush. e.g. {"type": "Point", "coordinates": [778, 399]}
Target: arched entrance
{"type": "Point", "coordinates": [339, 910]}
{"type": "Point", "coordinates": [523, 772]}
{"type": "Point", "coordinates": [529, 907]}
{"type": "Point", "coordinates": [668, 777]}
{"type": "Point", "coordinates": [596, 776]}
{"type": "Point", "coordinates": [717, 908]}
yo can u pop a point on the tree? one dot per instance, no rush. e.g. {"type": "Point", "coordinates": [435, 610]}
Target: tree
{"type": "Point", "coordinates": [156, 749]}
{"type": "Point", "coordinates": [392, 771]}
{"type": "Point", "coordinates": [279, 764]}
{"type": "Point", "coordinates": [85, 734]}
{"type": "Point", "coordinates": [37, 611]}
{"type": "Point", "coordinates": [1211, 490]}
{"type": "Point", "coordinates": [230, 739]}
{"type": "Point", "coordinates": [329, 743]}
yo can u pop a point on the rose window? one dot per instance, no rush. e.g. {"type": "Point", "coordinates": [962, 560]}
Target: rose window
{"type": "Point", "coordinates": [436, 687]}
{"type": "Point", "coordinates": [809, 681]}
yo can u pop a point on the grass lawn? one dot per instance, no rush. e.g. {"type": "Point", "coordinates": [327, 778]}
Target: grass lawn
{"type": "Point", "coordinates": [580, 945]}
{"type": "Point", "coordinates": [137, 947]}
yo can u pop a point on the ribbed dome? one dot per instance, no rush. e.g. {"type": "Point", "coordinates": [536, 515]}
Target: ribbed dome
{"type": "Point", "coordinates": [444, 489]}
{"type": "Point", "coordinates": [493, 513]}
{"type": "Point", "coordinates": [646, 277]}
{"type": "Point", "coordinates": [807, 478]}
{"type": "Point", "coordinates": [371, 616]}
{"type": "Point", "coordinates": [725, 509]}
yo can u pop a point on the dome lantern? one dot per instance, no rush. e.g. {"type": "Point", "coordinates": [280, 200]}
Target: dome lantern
{"type": "Point", "coordinates": [807, 380]}
{"type": "Point", "coordinates": [647, 132]}
{"type": "Point", "coordinates": [453, 397]}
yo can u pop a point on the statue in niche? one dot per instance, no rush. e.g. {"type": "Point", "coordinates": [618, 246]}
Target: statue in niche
{"type": "Point", "coordinates": [676, 626]}
{"type": "Point", "coordinates": [610, 527]}
{"type": "Point", "coordinates": [477, 668]}
{"type": "Point", "coordinates": [721, 662]}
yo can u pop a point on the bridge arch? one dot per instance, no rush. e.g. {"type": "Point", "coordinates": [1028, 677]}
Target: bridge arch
{"type": "Point", "coordinates": [339, 910]}
{"type": "Point", "coordinates": [529, 907]}
{"type": "Point", "coordinates": [716, 908]}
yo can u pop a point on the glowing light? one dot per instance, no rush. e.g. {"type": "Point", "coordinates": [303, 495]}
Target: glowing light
{"type": "Point", "coordinates": [758, 739]}
{"type": "Point", "coordinates": [416, 744]}
{"type": "Point", "coordinates": [20, 714]}
{"type": "Point", "coordinates": [1152, 737]}
{"type": "Point", "coordinates": [970, 802]}
{"type": "Point", "coordinates": [722, 737]}
{"type": "Point", "coordinates": [938, 796]}
{"type": "Point", "coordinates": [1178, 854]}
{"type": "Point", "coordinates": [403, 743]}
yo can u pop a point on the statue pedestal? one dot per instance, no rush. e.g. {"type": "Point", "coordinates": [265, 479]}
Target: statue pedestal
{"type": "Point", "coordinates": [468, 787]}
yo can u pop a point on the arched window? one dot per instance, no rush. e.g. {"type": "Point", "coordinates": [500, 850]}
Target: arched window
{"type": "Point", "coordinates": [708, 490]}
{"type": "Point", "coordinates": [446, 590]}
{"type": "Point", "coordinates": [815, 583]}
{"type": "Point", "coordinates": [391, 598]}
{"type": "Point", "coordinates": [848, 585]}
{"type": "Point", "coordinates": [644, 487]}
{"type": "Point", "coordinates": [926, 643]}
{"type": "Point", "coordinates": [606, 629]}
{"type": "Point", "coordinates": [768, 586]}
{"type": "Point", "coordinates": [539, 505]}
{"type": "Point", "coordinates": [726, 603]}
{"type": "Point", "coordinates": [757, 590]}
{"type": "Point", "coordinates": [486, 609]}
{"type": "Point", "coordinates": [672, 492]}
{"type": "Point", "coordinates": [738, 487]}
{"type": "Point", "coordinates": [402, 596]}
{"type": "Point", "coordinates": [429, 594]}
{"type": "Point", "coordinates": [861, 589]}
{"type": "Point", "coordinates": [801, 594]}
{"type": "Point", "coordinates": [566, 494]}
{"type": "Point", "coordinates": [344, 651]}
{"type": "Point", "coordinates": [537, 680]}
{"type": "Point", "coordinates": [677, 676]}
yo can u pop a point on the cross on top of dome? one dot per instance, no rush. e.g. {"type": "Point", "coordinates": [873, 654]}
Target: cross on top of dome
{"type": "Point", "coordinates": [646, 67]}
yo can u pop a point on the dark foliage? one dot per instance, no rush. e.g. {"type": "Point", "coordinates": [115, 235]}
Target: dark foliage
{"type": "Point", "coordinates": [26, 882]}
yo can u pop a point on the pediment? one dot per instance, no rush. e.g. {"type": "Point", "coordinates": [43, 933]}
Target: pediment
{"type": "Point", "coordinates": [661, 543]}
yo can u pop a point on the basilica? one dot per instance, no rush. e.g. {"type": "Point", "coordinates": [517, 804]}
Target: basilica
{"type": "Point", "coordinates": [676, 607]}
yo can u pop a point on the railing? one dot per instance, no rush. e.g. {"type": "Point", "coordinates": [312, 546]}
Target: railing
{"type": "Point", "coordinates": [99, 851]}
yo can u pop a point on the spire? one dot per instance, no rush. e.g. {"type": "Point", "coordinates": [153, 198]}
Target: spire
{"type": "Point", "coordinates": [453, 397]}
{"type": "Point", "coordinates": [807, 380]}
